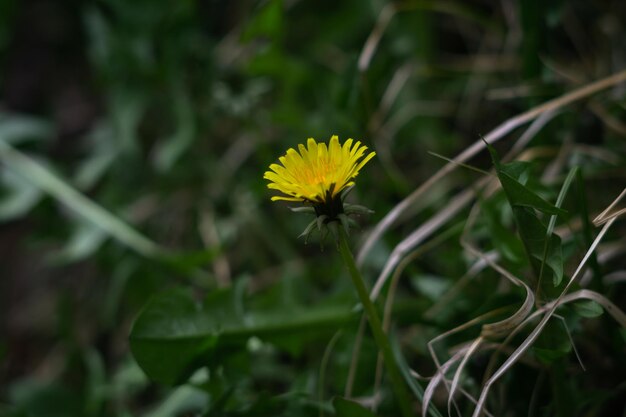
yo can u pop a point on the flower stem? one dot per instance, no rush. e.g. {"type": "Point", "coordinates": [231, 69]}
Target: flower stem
{"type": "Point", "coordinates": [380, 337]}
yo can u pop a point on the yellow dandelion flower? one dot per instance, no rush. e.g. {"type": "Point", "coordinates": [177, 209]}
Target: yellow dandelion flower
{"type": "Point", "coordinates": [318, 173]}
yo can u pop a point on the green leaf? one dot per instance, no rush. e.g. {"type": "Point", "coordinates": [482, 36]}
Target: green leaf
{"type": "Point", "coordinates": [543, 248]}
{"type": "Point", "coordinates": [517, 193]}
{"type": "Point", "coordinates": [348, 408]}
{"type": "Point", "coordinates": [588, 308]}
{"type": "Point", "coordinates": [533, 234]}
{"type": "Point", "coordinates": [521, 196]}
{"type": "Point", "coordinates": [504, 240]}
{"type": "Point", "coordinates": [169, 335]}
{"type": "Point", "coordinates": [174, 335]}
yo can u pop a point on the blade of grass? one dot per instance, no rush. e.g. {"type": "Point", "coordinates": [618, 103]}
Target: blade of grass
{"type": "Point", "coordinates": [581, 203]}
{"type": "Point", "coordinates": [559, 202]}
{"type": "Point", "coordinates": [496, 134]}
{"type": "Point", "coordinates": [515, 356]}
{"type": "Point", "coordinates": [49, 182]}
{"type": "Point", "coordinates": [453, 208]}
{"type": "Point", "coordinates": [457, 374]}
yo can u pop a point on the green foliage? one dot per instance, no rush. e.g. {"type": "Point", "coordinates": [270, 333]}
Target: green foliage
{"type": "Point", "coordinates": [589, 309]}
{"type": "Point", "coordinates": [543, 247]}
{"type": "Point", "coordinates": [145, 272]}
{"type": "Point", "coordinates": [173, 326]}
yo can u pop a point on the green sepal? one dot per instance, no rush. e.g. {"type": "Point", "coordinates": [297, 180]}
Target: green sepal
{"type": "Point", "coordinates": [309, 229]}
{"type": "Point", "coordinates": [303, 209]}
{"type": "Point", "coordinates": [356, 209]}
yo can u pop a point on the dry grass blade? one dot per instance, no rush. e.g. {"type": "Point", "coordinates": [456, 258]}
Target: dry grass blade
{"type": "Point", "coordinates": [397, 83]}
{"type": "Point", "coordinates": [457, 374]}
{"type": "Point", "coordinates": [607, 215]}
{"type": "Point", "coordinates": [461, 390]}
{"type": "Point", "coordinates": [503, 326]}
{"type": "Point", "coordinates": [515, 356]}
{"type": "Point", "coordinates": [613, 310]}
{"type": "Point", "coordinates": [426, 229]}
{"type": "Point", "coordinates": [372, 41]}
{"type": "Point", "coordinates": [438, 377]}
{"type": "Point", "coordinates": [419, 235]}
{"type": "Point", "coordinates": [441, 370]}
{"type": "Point", "coordinates": [496, 134]}
{"type": "Point", "coordinates": [571, 340]}
{"type": "Point", "coordinates": [609, 307]}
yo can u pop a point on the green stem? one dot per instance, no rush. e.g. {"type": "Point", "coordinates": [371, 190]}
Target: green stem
{"type": "Point", "coordinates": [380, 337]}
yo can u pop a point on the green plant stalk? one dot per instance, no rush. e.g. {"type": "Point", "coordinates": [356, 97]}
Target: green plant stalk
{"type": "Point", "coordinates": [399, 386]}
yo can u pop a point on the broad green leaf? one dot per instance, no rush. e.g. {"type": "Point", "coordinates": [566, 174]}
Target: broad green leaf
{"type": "Point", "coordinates": [519, 170]}
{"type": "Point", "coordinates": [169, 335]}
{"type": "Point", "coordinates": [588, 308]}
{"type": "Point", "coordinates": [174, 335]}
{"type": "Point", "coordinates": [533, 234]}
{"type": "Point", "coordinates": [520, 195]}
{"type": "Point", "coordinates": [517, 193]}
{"type": "Point", "coordinates": [542, 248]}
{"type": "Point", "coordinates": [504, 240]}
{"type": "Point", "coordinates": [348, 408]}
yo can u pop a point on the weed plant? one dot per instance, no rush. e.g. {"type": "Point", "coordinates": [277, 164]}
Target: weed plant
{"type": "Point", "coordinates": [145, 271]}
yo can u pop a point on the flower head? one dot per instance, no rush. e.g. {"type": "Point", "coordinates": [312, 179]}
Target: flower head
{"type": "Point", "coordinates": [318, 173]}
